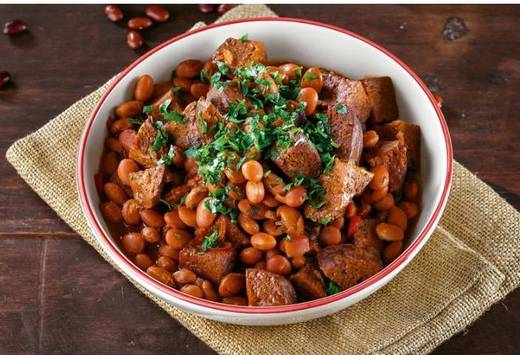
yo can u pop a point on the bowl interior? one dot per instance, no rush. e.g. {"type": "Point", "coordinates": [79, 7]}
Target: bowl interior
{"type": "Point", "coordinates": [307, 44]}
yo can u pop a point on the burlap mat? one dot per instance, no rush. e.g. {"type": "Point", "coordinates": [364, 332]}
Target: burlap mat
{"type": "Point", "coordinates": [471, 261]}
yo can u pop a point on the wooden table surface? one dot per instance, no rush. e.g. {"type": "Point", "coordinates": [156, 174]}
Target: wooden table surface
{"type": "Point", "coordinates": [58, 295]}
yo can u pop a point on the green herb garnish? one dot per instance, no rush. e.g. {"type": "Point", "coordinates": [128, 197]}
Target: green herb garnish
{"type": "Point", "coordinates": [176, 89]}
{"type": "Point", "coordinates": [210, 241]}
{"type": "Point", "coordinates": [324, 221]}
{"type": "Point", "coordinates": [244, 37]}
{"type": "Point", "coordinates": [147, 109]}
{"type": "Point", "coordinates": [161, 137]}
{"type": "Point", "coordinates": [311, 76]}
{"type": "Point", "coordinates": [167, 159]}
{"type": "Point", "coordinates": [333, 288]}
{"type": "Point", "coordinates": [341, 109]}
{"type": "Point", "coordinates": [173, 116]}
{"type": "Point", "coordinates": [222, 67]}
{"type": "Point", "coordinates": [202, 123]}
{"type": "Point", "coordinates": [168, 205]}
{"type": "Point", "coordinates": [204, 76]}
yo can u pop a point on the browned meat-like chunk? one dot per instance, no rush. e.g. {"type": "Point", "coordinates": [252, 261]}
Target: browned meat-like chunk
{"type": "Point", "coordinates": [267, 289]}
{"type": "Point", "coordinates": [347, 133]}
{"type": "Point", "coordinates": [365, 235]}
{"type": "Point", "coordinates": [299, 158]}
{"type": "Point", "coordinates": [309, 282]}
{"type": "Point", "coordinates": [212, 264]}
{"type": "Point", "coordinates": [172, 106]}
{"type": "Point", "coordinates": [236, 53]}
{"type": "Point", "coordinates": [391, 154]}
{"type": "Point", "coordinates": [339, 90]}
{"type": "Point", "coordinates": [411, 134]}
{"type": "Point", "coordinates": [230, 94]}
{"type": "Point", "coordinates": [341, 184]}
{"type": "Point", "coordinates": [347, 264]}
{"type": "Point", "coordinates": [147, 185]}
{"type": "Point", "coordinates": [141, 149]}
{"type": "Point", "coordinates": [381, 95]}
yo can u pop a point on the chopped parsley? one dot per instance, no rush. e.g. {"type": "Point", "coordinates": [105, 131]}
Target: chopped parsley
{"type": "Point", "coordinates": [176, 89]}
{"type": "Point", "coordinates": [244, 37]}
{"type": "Point", "coordinates": [168, 205]}
{"type": "Point", "coordinates": [173, 115]}
{"type": "Point", "coordinates": [311, 76]}
{"type": "Point", "coordinates": [161, 137]}
{"type": "Point", "coordinates": [204, 76]}
{"type": "Point", "coordinates": [333, 288]}
{"type": "Point", "coordinates": [324, 221]}
{"type": "Point", "coordinates": [136, 121]}
{"type": "Point", "coordinates": [183, 200]}
{"type": "Point", "coordinates": [222, 67]}
{"type": "Point", "coordinates": [210, 241]}
{"type": "Point", "coordinates": [216, 203]}
{"type": "Point", "coordinates": [147, 109]}
{"type": "Point", "coordinates": [320, 134]}
{"type": "Point", "coordinates": [215, 81]}
{"type": "Point", "coordinates": [341, 109]}
{"type": "Point", "coordinates": [167, 159]}
{"type": "Point", "coordinates": [315, 192]}
{"type": "Point", "coordinates": [203, 125]}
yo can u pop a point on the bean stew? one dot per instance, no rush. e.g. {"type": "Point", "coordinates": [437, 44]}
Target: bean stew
{"type": "Point", "coordinates": [250, 183]}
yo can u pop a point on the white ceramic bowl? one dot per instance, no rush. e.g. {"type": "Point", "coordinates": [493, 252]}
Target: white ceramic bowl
{"type": "Point", "coordinates": [309, 43]}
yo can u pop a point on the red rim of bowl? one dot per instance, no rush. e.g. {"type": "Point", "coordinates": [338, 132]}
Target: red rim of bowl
{"type": "Point", "coordinates": [106, 240]}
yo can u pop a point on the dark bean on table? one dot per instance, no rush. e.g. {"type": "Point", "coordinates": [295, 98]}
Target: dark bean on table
{"type": "Point", "coordinates": [223, 8]}
{"type": "Point", "coordinates": [5, 78]}
{"type": "Point", "coordinates": [206, 8]}
{"type": "Point", "coordinates": [114, 13]}
{"type": "Point", "coordinates": [157, 13]}
{"type": "Point", "coordinates": [134, 39]}
{"type": "Point", "coordinates": [14, 27]}
{"type": "Point", "coordinates": [138, 23]}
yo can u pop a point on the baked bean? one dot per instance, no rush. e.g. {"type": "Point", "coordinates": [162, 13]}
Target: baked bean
{"type": "Point", "coordinates": [151, 217]}
{"type": "Point", "coordinates": [296, 196]}
{"type": "Point", "coordinates": [370, 139]}
{"type": "Point", "coordinates": [260, 265]}
{"type": "Point", "coordinates": [120, 125]}
{"type": "Point", "coordinates": [338, 222]}
{"type": "Point", "coordinates": [199, 89]}
{"type": "Point", "coordinates": [177, 238]}
{"type": "Point", "coordinates": [115, 193]}
{"type": "Point", "coordinates": [151, 235]}
{"type": "Point", "coordinates": [351, 209]}
{"type": "Point", "coordinates": [133, 243]}
{"type": "Point", "coordinates": [392, 251]}
{"type": "Point", "coordinates": [193, 290]}
{"type": "Point", "coordinates": [130, 212]}
{"type": "Point", "coordinates": [134, 40]}
{"type": "Point", "coordinates": [173, 220]}
{"type": "Point", "coordinates": [161, 88]}
{"type": "Point", "coordinates": [111, 211]}
{"type": "Point", "coordinates": [183, 83]}
{"type": "Point", "coordinates": [166, 263]}
{"type": "Point", "coordinates": [250, 256]}
{"type": "Point", "coordinates": [380, 179]}
{"type": "Point", "coordinates": [353, 224]}
{"type": "Point", "coordinates": [270, 253]}
{"type": "Point", "coordinates": [14, 27]}
{"type": "Point", "coordinates": [168, 251]}
{"type": "Point", "coordinates": [114, 145]}
{"type": "Point", "coordinates": [290, 70]}
{"type": "Point", "coordinates": [125, 168]}
{"type": "Point", "coordinates": [397, 217]}
{"type": "Point", "coordinates": [144, 88]}
{"type": "Point", "coordinates": [126, 137]}
{"type": "Point", "coordinates": [209, 291]}
{"type": "Point", "coordinates": [236, 301]}
{"type": "Point", "coordinates": [189, 68]}
{"type": "Point", "coordinates": [330, 235]}
{"type": "Point", "coordinates": [248, 224]}
{"type": "Point", "coordinates": [377, 195]}
{"type": "Point", "coordinates": [410, 208]}
{"type": "Point", "coordinates": [184, 276]}
{"type": "Point", "coordinates": [298, 261]}
{"type": "Point", "coordinates": [109, 163]}
{"type": "Point", "coordinates": [232, 284]}
{"type": "Point", "coordinates": [270, 201]}
{"type": "Point", "coordinates": [291, 219]}
{"type": "Point", "coordinates": [389, 232]}
{"type": "Point", "coordinates": [235, 176]}
{"type": "Point", "coordinates": [312, 78]}
{"type": "Point", "coordinates": [129, 109]}
{"type": "Point", "coordinates": [204, 217]}
{"type": "Point", "coordinates": [5, 78]}
{"type": "Point", "coordinates": [160, 274]}
{"type": "Point", "coordinates": [254, 211]}
{"type": "Point", "coordinates": [190, 165]}
{"type": "Point", "coordinates": [263, 241]}
{"type": "Point", "coordinates": [385, 203]}
{"type": "Point", "coordinates": [411, 190]}
{"type": "Point", "coordinates": [235, 192]}
{"type": "Point", "coordinates": [270, 226]}
{"type": "Point", "coordinates": [278, 264]}
{"type": "Point", "coordinates": [255, 191]}
{"type": "Point", "coordinates": [114, 13]}
{"type": "Point", "coordinates": [157, 13]}
{"type": "Point", "coordinates": [310, 97]}
{"type": "Point", "coordinates": [297, 245]}
{"type": "Point", "coordinates": [196, 195]}
{"type": "Point", "coordinates": [143, 261]}
{"type": "Point", "coordinates": [188, 216]}
{"type": "Point", "coordinates": [252, 171]}
{"type": "Point", "coordinates": [139, 23]}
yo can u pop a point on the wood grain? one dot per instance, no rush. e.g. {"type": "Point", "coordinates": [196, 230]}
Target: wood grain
{"type": "Point", "coordinates": [58, 295]}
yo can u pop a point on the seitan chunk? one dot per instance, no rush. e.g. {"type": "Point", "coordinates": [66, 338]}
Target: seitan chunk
{"type": "Point", "coordinates": [301, 157]}
{"type": "Point", "coordinates": [236, 53]}
{"type": "Point", "coordinates": [141, 149]}
{"type": "Point", "coordinates": [365, 235]}
{"type": "Point", "coordinates": [147, 185]}
{"type": "Point", "coordinates": [309, 282]}
{"type": "Point", "coordinates": [347, 264]}
{"type": "Point", "coordinates": [267, 289]}
{"type": "Point", "coordinates": [391, 154]}
{"type": "Point", "coordinates": [381, 95]}
{"type": "Point", "coordinates": [212, 264]}
{"type": "Point", "coordinates": [411, 134]}
{"type": "Point", "coordinates": [339, 90]}
{"type": "Point", "coordinates": [341, 184]}
{"type": "Point", "coordinates": [169, 99]}
{"type": "Point", "coordinates": [347, 132]}
{"type": "Point", "coordinates": [230, 94]}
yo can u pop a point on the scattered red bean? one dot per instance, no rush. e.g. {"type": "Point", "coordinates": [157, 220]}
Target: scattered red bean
{"type": "Point", "coordinates": [206, 8]}
{"type": "Point", "coordinates": [138, 23]}
{"type": "Point", "coordinates": [15, 27]}
{"type": "Point", "coordinates": [223, 8]}
{"type": "Point", "coordinates": [5, 78]}
{"type": "Point", "coordinates": [134, 39]}
{"type": "Point", "coordinates": [113, 13]}
{"type": "Point", "coordinates": [157, 13]}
